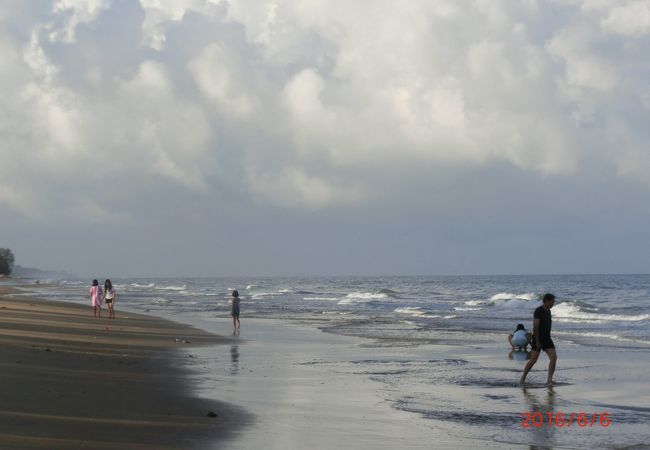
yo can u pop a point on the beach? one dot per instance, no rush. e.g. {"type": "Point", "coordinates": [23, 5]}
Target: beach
{"type": "Point", "coordinates": [307, 378]}
{"type": "Point", "coordinates": [69, 380]}
{"type": "Point", "coordinates": [338, 392]}
{"type": "Point", "coordinates": [306, 390]}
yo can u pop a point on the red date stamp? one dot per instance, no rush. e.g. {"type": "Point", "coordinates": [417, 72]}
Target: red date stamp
{"type": "Point", "coordinates": [539, 419]}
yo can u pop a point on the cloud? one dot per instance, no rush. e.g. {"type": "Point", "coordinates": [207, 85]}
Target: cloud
{"type": "Point", "coordinates": [312, 104]}
{"type": "Point", "coordinates": [293, 187]}
{"type": "Point", "coordinates": [168, 135]}
{"type": "Point", "coordinates": [18, 201]}
{"type": "Point", "coordinates": [69, 14]}
{"type": "Point", "coordinates": [584, 67]}
{"type": "Point", "coordinates": [220, 78]}
{"type": "Point", "coordinates": [631, 19]}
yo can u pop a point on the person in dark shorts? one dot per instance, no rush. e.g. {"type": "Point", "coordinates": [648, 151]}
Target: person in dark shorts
{"type": "Point", "coordinates": [234, 312]}
{"type": "Point", "coordinates": [542, 339]}
{"type": "Point", "coordinates": [110, 297]}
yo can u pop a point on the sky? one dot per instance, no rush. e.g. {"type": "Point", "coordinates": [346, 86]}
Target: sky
{"type": "Point", "coordinates": [325, 137]}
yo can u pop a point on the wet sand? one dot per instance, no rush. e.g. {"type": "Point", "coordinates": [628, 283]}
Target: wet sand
{"type": "Point", "coordinates": [331, 391]}
{"type": "Point", "coordinates": [306, 390]}
{"type": "Point", "coordinates": [68, 380]}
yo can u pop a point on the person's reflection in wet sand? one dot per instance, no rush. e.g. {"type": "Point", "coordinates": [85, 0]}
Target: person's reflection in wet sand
{"type": "Point", "coordinates": [542, 436]}
{"type": "Point", "coordinates": [234, 359]}
{"type": "Point", "coordinates": [519, 355]}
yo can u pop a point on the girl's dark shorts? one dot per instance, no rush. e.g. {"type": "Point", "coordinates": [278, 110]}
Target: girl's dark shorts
{"type": "Point", "coordinates": [235, 312]}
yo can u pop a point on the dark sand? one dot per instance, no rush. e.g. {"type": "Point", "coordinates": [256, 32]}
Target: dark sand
{"type": "Point", "coordinates": [68, 380]}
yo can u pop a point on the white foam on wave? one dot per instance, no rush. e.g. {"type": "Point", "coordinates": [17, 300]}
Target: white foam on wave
{"type": "Point", "coordinates": [476, 302]}
{"type": "Point", "coordinates": [321, 298]}
{"type": "Point", "coordinates": [366, 295]}
{"type": "Point", "coordinates": [251, 286]}
{"type": "Point", "coordinates": [514, 304]}
{"type": "Point", "coordinates": [72, 283]}
{"type": "Point", "coordinates": [362, 297]}
{"type": "Point", "coordinates": [502, 299]}
{"type": "Point", "coordinates": [172, 288]}
{"type": "Point", "coordinates": [411, 311]}
{"type": "Point", "coordinates": [576, 320]}
{"type": "Point", "coordinates": [417, 312]}
{"type": "Point", "coordinates": [138, 285]}
{"type": "Point", "coordinates": [569, 312]}
{"type": "Point", "coordinates": [510, 296]}
{"type": "Point", "coordinates": [602, 336]}
{"type": "Point", "coordinates": [260, 295]}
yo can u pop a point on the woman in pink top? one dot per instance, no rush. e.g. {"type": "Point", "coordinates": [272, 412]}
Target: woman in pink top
{"type": "Point", "coordinates": [96, 298]}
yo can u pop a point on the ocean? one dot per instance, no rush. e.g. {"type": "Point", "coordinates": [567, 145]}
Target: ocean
{"type": "Point", "coordinates": [609, 310]}
{"type": "Point", "coordinates": [428, 342]}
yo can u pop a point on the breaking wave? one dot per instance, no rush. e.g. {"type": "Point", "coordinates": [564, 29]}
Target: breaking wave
{"type": "Point", "coordinates": [502, 300]}
{"type": "Point", "coordinates": [364, 297]}
{"type": "Point", "coordinates": [172, 288]}
{"type": "Point", "coordinates": [570, 312]}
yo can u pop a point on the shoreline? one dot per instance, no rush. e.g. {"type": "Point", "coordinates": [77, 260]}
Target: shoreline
{"type": "Point", "coordinates": [69, 380]}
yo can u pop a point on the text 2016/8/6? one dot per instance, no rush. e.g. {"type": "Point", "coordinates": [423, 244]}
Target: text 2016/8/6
{"type": "Point", "coordinates": [538, 419]}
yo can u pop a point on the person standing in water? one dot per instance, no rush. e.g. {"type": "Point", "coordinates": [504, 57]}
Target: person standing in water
{"type": "Point", "coordinates": [235, 309]}
{"type": "Point", "coordinates": [542, 339]}
{"type": "Point", "coordinates": [96, 298]}
{"type": "Point", "coordinates": [110, 297]}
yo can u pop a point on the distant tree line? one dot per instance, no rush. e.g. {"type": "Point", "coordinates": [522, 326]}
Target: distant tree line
{"type": "Point", "coordinates": [6, 261]}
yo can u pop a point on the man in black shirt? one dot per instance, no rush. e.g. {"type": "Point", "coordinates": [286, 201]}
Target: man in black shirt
{"type": "Point", "coordinates": [542, 339]}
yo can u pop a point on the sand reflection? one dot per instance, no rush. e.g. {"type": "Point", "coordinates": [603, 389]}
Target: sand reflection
{"type": "Point", "coordinates": [234, 359]}
{"type": "Point", "coordinates": [542, 436]}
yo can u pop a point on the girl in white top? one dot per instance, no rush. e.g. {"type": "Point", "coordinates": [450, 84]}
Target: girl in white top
{"type": "Point", "coordinates": [520, 338]}
{"type": "Point", "coordinates": [109, 298]}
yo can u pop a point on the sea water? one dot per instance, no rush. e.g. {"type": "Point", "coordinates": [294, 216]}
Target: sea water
{"type": "Point", "coordinates": [598, 309]}
{"type": "Point", "coordinates": [401, 319]}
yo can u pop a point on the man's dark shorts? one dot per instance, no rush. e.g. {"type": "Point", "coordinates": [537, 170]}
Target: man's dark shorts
{"type": "Point", "coordinates": [545, 343]}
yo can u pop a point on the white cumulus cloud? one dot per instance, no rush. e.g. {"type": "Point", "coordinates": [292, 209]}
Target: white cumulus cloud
{"type": "Point", "coordinates": [312, 103]}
